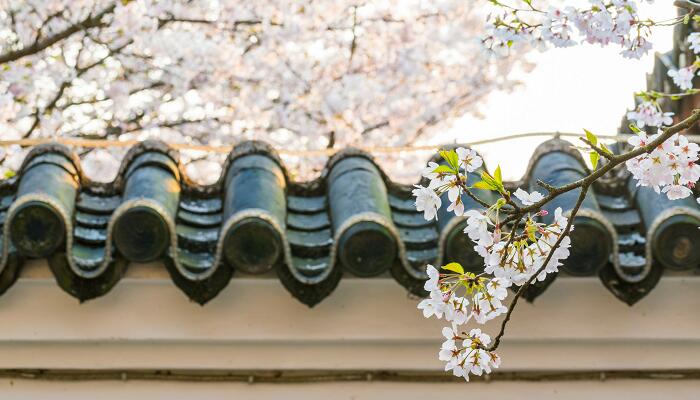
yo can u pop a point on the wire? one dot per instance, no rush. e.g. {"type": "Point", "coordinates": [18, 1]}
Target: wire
{"type": "Point", "coordinates": [104, 143]}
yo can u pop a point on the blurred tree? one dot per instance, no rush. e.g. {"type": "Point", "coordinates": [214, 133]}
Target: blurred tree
{"type": "Point", "coordinates": [298, 74]}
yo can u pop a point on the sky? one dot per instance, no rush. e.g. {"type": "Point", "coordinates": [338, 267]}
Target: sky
{"type": "Point", "coordinates": [569, 89]}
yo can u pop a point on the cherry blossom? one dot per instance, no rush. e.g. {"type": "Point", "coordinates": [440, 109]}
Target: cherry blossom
{"type": "Point", "coordinates": [478, 228]}
{"type": "Point", "coordinates": [528, 199]}
{"type": "Point", "coordinates": [524, 24]}
{"type": "Point", "coordinates": [469, 357]}
{"type": "Point", "coordinates": [513, 254]}
{"type": "Point", "coordinates": [670, 168]}
{"type": "Point", "coordinates": [427, 201]}
{"type": "Point", "coordinates": [449, 178]}
{"type": "Point", "coordinates": [520, 248]}
{"type": "Point", "coordinates": [683, 77]}
{"type": "Point", "coordinates": [694, 42]}
{"type": "Point", "coordinates": [469, 159]}
{"type": "Point", "coordinates": [301, 75]}
{"type": "Point", "coordinates": [649, 114]}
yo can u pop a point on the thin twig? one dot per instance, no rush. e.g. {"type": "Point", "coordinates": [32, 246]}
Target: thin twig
{"type": "Point", "coordinates": [519, 293]}
{"type": "Point", "coordinates": [688, 5]}
{"type": "Point", "coordinates": [598, 150]}
{"type": "Point", "coordinates": [583, 184]}
{"type": "Point", "coordinates": [90, 21]}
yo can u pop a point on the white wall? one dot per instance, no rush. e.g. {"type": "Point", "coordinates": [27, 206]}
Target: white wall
{"type": "Point", "coordinates": [146, 323]}
{"type": "Point", "coordinates": [630, 389]}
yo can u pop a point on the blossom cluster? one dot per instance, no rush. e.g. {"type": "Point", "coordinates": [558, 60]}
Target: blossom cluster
{"type": "Point", "coordinates": [518, 260]}
{"type": "Point", "coordinates": [670, 168]}
{"type": "Point", "coordinates": [450, 178]}
{"type": "Point", "coordinates": [513, 256]}
{"type": "Point", "coordinates": [649, 113]}
{"type": "Point", "coordinates": [463, 353]}
{"type": "Point", "coordinates": [512, 27]}
{"type": "Point", "coordinates": [683, 77]}
{"type": "Point", "coordinates": [299, 75]}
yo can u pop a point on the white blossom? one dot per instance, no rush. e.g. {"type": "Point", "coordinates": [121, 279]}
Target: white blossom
{"type": "Point", "coordinates": [478, 228]}
{"type": "Point", "coordinates": [694, 42]}
{"type": "Point", "coordinates": [528, 199]}
{"type": "Point", "coordinates": [433, 276]}
{"type": "Point", "coordinates": [469, 159]}
{"type": "Point", "coordinates": [604, 23]}
{"type": "Point", "coordinates": [217, 72]}
{"type": "Point", "coordinates": [427, 201]}
{"type": "Point", "coordinates": [670, 168]}
{"type": "Point", "coordinates": [649, 114]}
{"type": "Point", "coordinates": [683, 77]}
{"type": "Point", "coordinates": [675, 192]}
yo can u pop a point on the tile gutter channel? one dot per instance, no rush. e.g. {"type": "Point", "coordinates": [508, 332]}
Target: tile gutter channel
{"type": "Point", "coordinates": [320, 376]}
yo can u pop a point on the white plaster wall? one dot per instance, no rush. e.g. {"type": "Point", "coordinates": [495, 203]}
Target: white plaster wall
{"type": "Point", "coordinates": [618, 390]}
{"type": "Point", "coordinates": [254, 324]}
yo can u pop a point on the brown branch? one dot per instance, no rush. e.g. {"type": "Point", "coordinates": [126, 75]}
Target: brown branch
{"type": "Point", "coordinates": [688, 5]}
{"type": "Point", "coordinates": [476, 198]}
{"type": "Point", "coordinates": [598, 150]}
{"type": "Point", "coordinates": [167, 124]}
{"type": "Point", "coordinates": [90, 21]}
{"type": "Point", "coordinates": [66, 84]}
{"type": "Point", "coordinates": [353, 43]}
{"type": "Point", "coordinates": [584, 184]}
{"type": "Point", "coordinates": [374, 127]}
{"type": "Point", "coordinates": [519, 293]}
{"type": "Point", "coordinates": [614, 161]}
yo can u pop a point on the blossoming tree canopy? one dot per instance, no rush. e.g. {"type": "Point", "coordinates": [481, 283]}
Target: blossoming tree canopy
{"type": "Point", "coordinates": [303, 75]}
{"type": "Point", "coordinates": [517, 248]}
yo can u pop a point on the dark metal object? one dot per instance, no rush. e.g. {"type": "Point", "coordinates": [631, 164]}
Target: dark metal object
{"type": "Point", "coordinates": [355, 187]}
{"type": "Point", "coordinates": [675, 237]}
{"type": "Point", "coordinates": [630, 292]}
{"type": "Point", "coordinates": [591, 241]}
{"type": "Point", "coordinates": [249, 217]}
{"type": "Point", "coordinates": [141, 232]}
{"type": "Point", "coordinates": [255, 183]}
{"type": "Point", "coordinates": [37, 227]}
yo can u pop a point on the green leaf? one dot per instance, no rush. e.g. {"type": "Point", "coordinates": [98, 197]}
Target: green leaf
{"type": "Point", "coordinates": [486, 177]}
{"type": "Point", "coordinates": [497, 175]}
{"type": "Point", "coordinates": [454, 267]}
{"type": "Point", "coordinates": [605, 149]}
{"type": "Point", "coordinates": [496, 183]}
{"type": "Point", "coordinates": [591, 137]}
{"type": "Point", "coordinates": [484, 185]}
{"type": "Point", "coordinates": [443, 169]}
{"type": "Point", "coordinates": [451, 157]}
{"type": "Point", "coordinates": [9, 174]}
{"type": "Point", "coordinates": [634, 128]}
{"type": "Point", "coordinates": [531, 229]}
{"type": "Point", "coordinates": [594, 159]}
{"type": "Point", "coordinates": [686, 19]}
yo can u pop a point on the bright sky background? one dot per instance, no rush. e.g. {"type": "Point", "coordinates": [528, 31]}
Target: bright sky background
{"type": "Point", "coordinates": [568, 90]}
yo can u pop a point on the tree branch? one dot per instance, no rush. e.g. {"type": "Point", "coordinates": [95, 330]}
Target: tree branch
{"type": "Point", "coordinates": [688, 5]}
{"type": "Point", "coordinates": [90, 22]}
{"type": "Point", "coordinates": [614, 161]}
{"type": "Point", "coordinates": [519, 293]}
{"type": "Point", "coordinates": [584, 184]}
